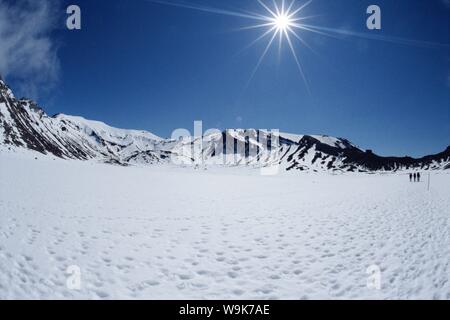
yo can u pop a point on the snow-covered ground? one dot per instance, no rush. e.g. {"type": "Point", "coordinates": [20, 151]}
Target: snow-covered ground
{"type": "Point", "coordinates": [172, 233]}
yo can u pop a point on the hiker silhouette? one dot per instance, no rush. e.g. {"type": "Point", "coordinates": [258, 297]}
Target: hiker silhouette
{"type": "Point", "coordinates": [418, 176]}
{"type": "Point", "coordinates": [410, 177]}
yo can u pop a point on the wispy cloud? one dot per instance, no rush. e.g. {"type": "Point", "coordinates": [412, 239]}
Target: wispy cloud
{"type": "Point", "coordinates": [28, 53]}
{"type": "Point", "coordinates": [446, 3]}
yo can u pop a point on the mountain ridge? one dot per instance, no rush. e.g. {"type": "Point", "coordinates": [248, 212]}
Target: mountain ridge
{"type": "Point", "coordinates": [24, 124]}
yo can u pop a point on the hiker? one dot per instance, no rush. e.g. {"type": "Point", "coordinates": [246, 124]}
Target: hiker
{"type": "Point", "coordinates": [418, 176]}
{"type": "Point", "coordinates": [415, 177]}
{"type": "Point", "coordinates": [410, 177]}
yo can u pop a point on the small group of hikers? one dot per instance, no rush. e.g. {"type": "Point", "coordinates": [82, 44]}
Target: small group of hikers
{"type": "Point", "coordinates": [415, 176]}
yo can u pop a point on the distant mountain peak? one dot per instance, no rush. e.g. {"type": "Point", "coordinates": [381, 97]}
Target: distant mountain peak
{"type": "Point", "coordinates": [5, 90]}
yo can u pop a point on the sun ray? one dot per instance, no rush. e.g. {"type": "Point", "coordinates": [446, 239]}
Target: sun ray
{"type": "Point", "coordinates": [267, 24]}
{"type": "Point", "coordinates": [210, 10]}
{"type": "Point", "coordinates": [267, 8]}
{"type": "Point", "coordinates": [251, 44]}
{"type": "Point", "coordinates": [276, 7]}
{"type": "Point", "coordinates": [300, 9]}
{"type": "Point", "coordinates": [302, 41]}
{"type": "Point", "coordinates": [262, 58]}
{"type": "Point", "coordinates": [341, 32]}
{"type": "Point", "coordinates": [304, 27]}
{"type": "Point", "coordinates": [300, 68]}
{"type": "Point", "coordinates": [305, 18]}
{"type": "Point", "coordinates": [280, 44]}
{"type": "Point", "coordinates": [290, 7]}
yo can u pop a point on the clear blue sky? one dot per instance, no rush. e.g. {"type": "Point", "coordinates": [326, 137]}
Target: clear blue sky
{"type": "Point", "coordinates": [136, 64]}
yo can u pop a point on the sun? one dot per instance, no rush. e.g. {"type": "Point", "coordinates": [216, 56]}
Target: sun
{"type": "Point", "coordinates": [282, 21]}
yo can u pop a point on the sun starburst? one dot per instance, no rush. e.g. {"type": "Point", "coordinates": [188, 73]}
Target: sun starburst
{"type": "Point", "coordinates": [287, 23]}
{"type": "Point", "coordinates": [282, 22]}
{"type": "Point", "coordinates": [280, 19]}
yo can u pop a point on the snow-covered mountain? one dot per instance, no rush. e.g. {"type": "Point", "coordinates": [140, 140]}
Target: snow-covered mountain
{"type": "Point", "coordinates": [23, 124]}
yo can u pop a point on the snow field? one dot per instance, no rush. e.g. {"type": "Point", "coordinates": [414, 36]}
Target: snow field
{"type": "Point", "coordinates": [171, 233]}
